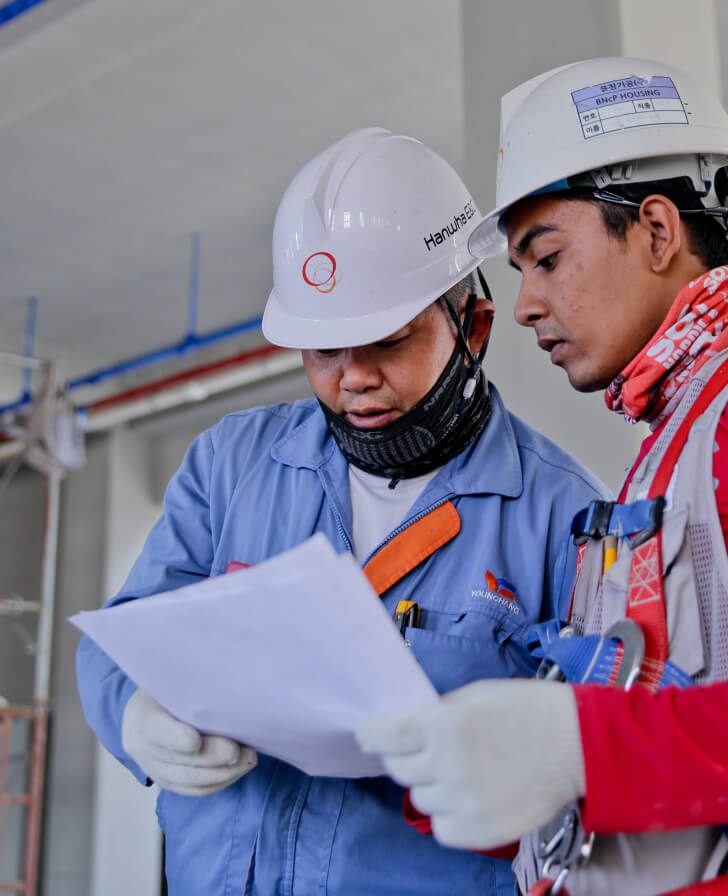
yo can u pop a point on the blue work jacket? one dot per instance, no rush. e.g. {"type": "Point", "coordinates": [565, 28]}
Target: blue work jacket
{"type": "Point", "coordinates": [264, 480]}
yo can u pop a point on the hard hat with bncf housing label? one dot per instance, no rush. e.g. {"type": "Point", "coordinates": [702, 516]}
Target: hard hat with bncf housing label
{"type": "Point", "coordinates": [605, 122]}
{"type": "Point", "coordinates": [368, 234]}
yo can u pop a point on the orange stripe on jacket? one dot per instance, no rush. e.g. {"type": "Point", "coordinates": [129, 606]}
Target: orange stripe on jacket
{"type": "Point", "coordinates": [415, 544]}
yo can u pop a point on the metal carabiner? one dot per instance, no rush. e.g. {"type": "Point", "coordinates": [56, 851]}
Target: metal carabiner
{"type": "Point", "coordinates": [558, 885]}
{"type": "Point", "coordinates": [632, 639]}
{"type": "Point", "coordinates": [556, 851]}
{"type": "Point", "coordinates": [547, 669]}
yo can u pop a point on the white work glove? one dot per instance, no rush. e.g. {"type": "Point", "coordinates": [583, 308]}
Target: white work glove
{"type": "Point", "coordinates": [176, 756]}
{"type": "Point", "coordinates": [489, 762]}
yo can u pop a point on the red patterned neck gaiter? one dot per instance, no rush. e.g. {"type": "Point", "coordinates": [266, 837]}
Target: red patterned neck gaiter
{"type": "Point", "coordinates": [694, 331]}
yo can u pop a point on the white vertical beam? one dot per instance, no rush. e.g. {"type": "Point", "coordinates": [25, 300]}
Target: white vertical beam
{"type": "Point", "coordinates": [682, 33]}
{"type": "Point", "coordinates": [126, 838]}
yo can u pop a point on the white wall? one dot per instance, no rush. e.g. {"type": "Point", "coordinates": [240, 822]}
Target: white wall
{"type": "Point", "coordinates": [684, 34]}
{"type": "Point", "coordinates": [505, 44]}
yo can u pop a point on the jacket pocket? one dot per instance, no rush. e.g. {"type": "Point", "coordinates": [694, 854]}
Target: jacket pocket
{"type": "Point", "coordinates": [471, 646]}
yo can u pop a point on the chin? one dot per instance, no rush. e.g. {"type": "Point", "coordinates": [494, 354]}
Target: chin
{"type": "Point", "coordinates": [587, 381]}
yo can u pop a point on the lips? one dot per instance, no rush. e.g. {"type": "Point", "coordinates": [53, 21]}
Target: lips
{"type": "Point", "coordinates": [370, 417]}
{"type": "Point", "coordinates": [555, 348]}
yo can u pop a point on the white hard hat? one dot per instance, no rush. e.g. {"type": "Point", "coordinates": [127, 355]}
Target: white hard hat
{"type": "Point", "coordinates": [367, 235]}
{"type": "Point", "coordinates": [598, 116]}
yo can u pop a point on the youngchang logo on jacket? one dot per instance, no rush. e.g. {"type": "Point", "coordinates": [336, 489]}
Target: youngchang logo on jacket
{"type": "Point", "coordinates": [500, 591]}
{"type": "Point", "coordinates": [460, 219]}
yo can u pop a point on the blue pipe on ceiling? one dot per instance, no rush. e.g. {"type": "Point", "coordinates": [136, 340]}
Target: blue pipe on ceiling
{"type": "Point", "coordinates": [192, 342]}
{"type": "Point", "coordinates": [188, 345]}
{"type": "Point", "coordinates": [10, 11]}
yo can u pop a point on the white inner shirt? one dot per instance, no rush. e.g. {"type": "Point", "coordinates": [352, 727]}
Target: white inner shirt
{"type": "Point", "coordinates": [377, 509]}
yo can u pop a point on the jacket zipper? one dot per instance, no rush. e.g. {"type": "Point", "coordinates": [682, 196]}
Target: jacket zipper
{"type": "Point", "coordinates": [406, 524]}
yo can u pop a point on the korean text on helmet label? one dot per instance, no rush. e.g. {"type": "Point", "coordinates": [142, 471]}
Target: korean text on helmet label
{"type": "Point", "coordinates": [628, 103]}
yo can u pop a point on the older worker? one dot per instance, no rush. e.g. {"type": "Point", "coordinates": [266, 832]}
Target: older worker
{"type": "Point", "coordinates": [407, 458]}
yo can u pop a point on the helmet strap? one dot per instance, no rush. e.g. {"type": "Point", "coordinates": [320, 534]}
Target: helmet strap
{"type": "Point", "coordinates": [449, 418]}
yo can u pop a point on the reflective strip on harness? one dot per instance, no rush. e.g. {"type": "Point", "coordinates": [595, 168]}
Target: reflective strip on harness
{"type": "Point", "coordinates": [412, 546]}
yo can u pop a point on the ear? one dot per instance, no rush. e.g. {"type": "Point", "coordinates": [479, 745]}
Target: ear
{"type": "Point", "coordinates": [661, 220]}
{"type": "Point", "coordinates": [482, 322]}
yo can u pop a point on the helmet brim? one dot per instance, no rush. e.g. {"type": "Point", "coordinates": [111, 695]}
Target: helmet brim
{"type": "Point", "coordinates": [287, 330]}
{"type": "Point", "coordinates": [290, 331]}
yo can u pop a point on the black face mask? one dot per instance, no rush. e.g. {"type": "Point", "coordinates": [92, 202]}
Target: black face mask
{"type": "Point", "coordinates": [442, 424]}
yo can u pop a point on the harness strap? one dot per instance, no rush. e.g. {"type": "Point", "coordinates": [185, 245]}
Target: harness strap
{"type": "Point", "coordinates": [602, 518]}
{"type": "Point", "coordinates": [543, 887]}
{"type": "Point", "coordinates": [646, 594]}
{"type": "Point", "coordinates": [597, 660]}
{"type": "Point", "coordinates": [710, 392]}
{"type": "Point", "coordinates": [412, 546]}
{"type": "Point", "coordinates": [646, 606]}
{"type": "Point", "coordinates": [592, 659]}
{"type": "Point", "coordinates": [716, 887]}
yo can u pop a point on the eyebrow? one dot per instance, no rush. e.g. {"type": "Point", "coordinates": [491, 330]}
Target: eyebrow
{"type": "Point", "coordinates": [530, 235]}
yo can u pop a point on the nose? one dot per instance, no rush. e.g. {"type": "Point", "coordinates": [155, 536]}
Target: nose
{"type": "Point", "coordinates": [530, 307]}
{"type": "Point", "coordinates": [359, 370]}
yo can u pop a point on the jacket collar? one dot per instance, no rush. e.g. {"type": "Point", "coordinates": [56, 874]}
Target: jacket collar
{"type": "Point", "coordinates": [491, 465]}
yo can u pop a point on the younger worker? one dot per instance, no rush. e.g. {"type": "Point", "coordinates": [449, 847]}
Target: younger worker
{"type": "Point", "coordinates": [408, 459]}
{"type": "Point", "coordinates": [613, 180]}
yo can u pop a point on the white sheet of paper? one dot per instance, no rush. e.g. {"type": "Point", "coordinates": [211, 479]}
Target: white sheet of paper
{"type": "Point", "coordinates": [289, 656]}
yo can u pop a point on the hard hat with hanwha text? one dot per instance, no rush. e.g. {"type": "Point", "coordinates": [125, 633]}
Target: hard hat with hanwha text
{"type": "Point", "coordinates": [367, 235]}
{"type": "Point", "coordinates": [598, 116]}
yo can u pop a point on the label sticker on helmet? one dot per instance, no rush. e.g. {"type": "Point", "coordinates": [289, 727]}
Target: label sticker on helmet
{"type": "Point", "coordinates": [628, 103]}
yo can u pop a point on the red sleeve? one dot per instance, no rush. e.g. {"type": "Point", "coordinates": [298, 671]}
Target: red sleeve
{"type": "Point", "coordinates": [654, 762]}
{"type": "Point", "coordinates": [419, 821]}
{"type": "Point", "coordinates": [720, 472]}
{"type": "Point", "coordinates": [423, 824]}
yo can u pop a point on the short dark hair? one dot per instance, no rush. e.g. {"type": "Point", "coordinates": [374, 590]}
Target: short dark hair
{"type": "Point", "coordinates": [708, 238]}
{"type": "Point", "coordinates": [459, 292]}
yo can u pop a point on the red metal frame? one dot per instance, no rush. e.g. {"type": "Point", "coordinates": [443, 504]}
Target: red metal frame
{"type": "Point", "coordinates": [32, 800]}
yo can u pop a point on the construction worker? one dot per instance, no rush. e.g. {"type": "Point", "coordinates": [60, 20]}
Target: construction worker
{"type": "Point", "coordinates": [612, 188]}
{"type": "Point", "coordinates": [457, 510]}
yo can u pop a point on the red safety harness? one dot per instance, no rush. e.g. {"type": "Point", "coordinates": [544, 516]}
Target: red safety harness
{"type": "Point", "coordinates": [646, 601]}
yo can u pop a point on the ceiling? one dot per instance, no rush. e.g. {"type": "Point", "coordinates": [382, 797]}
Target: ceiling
{"type": "Point", "coordinates": [126, 127]}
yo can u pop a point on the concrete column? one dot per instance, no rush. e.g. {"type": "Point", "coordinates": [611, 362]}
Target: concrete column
{"type": "Point", "coordinates": [72, 745]}
{"type": "Point", "coordinates": [684, 34]}
{"type": "Point", "coordinates": [126, 842]}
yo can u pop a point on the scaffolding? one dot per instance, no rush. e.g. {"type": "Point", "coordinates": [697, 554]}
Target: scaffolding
{"type": "Point", "coordinates": [28, 723]}
{"type": "Point", "coordinates": [31, 801]}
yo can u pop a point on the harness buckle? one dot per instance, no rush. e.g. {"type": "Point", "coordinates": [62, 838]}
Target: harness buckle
{"type": "Point", "coordinates": [592, 522]}
{"type": "Point", "coordinates": [568, 848]}
{"type": "Point", "coordinates": [656, 511]}
{"type": "Point", "coordinates": [637, 521]}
